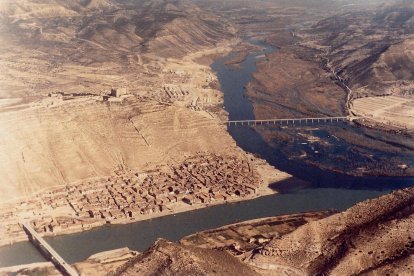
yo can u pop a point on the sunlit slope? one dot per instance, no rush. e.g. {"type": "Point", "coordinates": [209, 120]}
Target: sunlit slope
{"type": "Point", "coordinates": [54, 146]}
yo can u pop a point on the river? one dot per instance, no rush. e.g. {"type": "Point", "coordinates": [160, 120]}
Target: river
{"type": "Point", "coordinates": [232, 83]}
{"type": "Point", "coordinates": [325, 190]}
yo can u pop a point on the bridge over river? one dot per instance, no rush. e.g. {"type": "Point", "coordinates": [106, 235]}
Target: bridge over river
{"type": "Point", "coordinates": [41, 244]}
{"type": "Point", "coordinates": [291, 121]}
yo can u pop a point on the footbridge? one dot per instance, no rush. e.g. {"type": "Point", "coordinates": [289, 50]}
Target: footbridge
{"type": "Point", "coordinates": [40, 243]}
{"type": "Point", "coordinates": [291, 121]}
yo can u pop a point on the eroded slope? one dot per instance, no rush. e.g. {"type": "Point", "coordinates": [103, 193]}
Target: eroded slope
{"type": "Point", "coordinates": [372, 235]}
{"type": "Point", "coordinates": [167, 258]}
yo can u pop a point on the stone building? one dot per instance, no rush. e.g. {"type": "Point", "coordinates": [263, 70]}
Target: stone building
{"type": "Point", "coordinates": [118, 92]}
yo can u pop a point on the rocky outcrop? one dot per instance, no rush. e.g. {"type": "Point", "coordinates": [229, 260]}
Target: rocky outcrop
{"type": "Point", "coordinates": [168, 258]}
{"type": "Point", "coordinates": [371, 237]}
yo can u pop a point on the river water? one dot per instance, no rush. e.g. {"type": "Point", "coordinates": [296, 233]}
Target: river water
{"type": "Point", "coordinates": [232, 83]}
{"type": "Point", "coordinates": [324, 190]}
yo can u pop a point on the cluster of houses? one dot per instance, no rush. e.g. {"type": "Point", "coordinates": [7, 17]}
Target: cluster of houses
{"type": "Point", "coordinates": [212, 178]}
{"type": "Point", "coordinates": [202, 180]}
{"type": "Point", "coordinates": [205, 179]}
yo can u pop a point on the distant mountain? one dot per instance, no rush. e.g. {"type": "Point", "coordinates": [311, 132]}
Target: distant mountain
{"type": "Point", "coordinates": [371, 49]}
{"type": "Point", "coordinates": [165, 28]}
{"type": "Point", "coordinates": [26, 9]}
{"type": "Point", "coordinates": [396, 14]}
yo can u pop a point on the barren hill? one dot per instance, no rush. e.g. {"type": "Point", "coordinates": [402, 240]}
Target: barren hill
{"type": "Point", "coordinates": [391, 73]}
{"type": "Point", "coordinates": [89, 46]}
{"type": "Point", "coordinates": [167, 258]}
{"type": "Point", "coordinates": [373, 237]}
{"type": "Point", "coordinates": [373, 56]}
{"type": "Point", "coordinates": [167, 28]}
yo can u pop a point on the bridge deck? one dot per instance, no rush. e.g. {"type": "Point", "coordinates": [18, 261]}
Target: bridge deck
{"type": "Point", "coordinates": [56, 258]}
{"type": "Point", "coordinates": [290, 120]}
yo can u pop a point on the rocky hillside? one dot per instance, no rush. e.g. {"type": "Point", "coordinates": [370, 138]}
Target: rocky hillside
{"type": "Point", "coordinates": [375, 56]}
{"type": "Point", "coordinates": [165, 28]}
{"type": "Point", "coordinates": [167, 258]}
{"type": "Point", "coordinates": [81, 45]}
{"type": "Point", "coordinates": [374, 237]}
